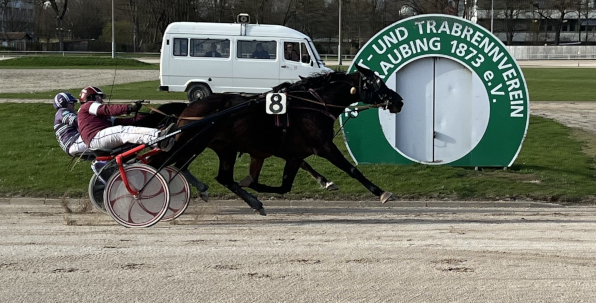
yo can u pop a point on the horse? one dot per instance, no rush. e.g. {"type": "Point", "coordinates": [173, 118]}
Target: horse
{"type": "Point", "coordinates": [251, 130]}
{"type": "Point", "coordinates": [169, 112]}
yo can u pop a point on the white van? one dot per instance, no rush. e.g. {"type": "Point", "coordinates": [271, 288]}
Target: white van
{"type": "Point", "coordinates": [204, 58]}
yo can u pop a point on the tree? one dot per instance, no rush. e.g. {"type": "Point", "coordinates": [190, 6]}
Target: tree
{"type": "Point", "coordinates": [60, 12]}
{"type": "Point", "coordinates": [16, 16]}
{"type": "Point", "coordinates": [449, 7]}
{"type": "Point", "coordinates": [509, 11]}
{"type": "Point", "coordinates": [585, 10]}
{"type": "Point", "coordinates": [556, 10]}
{"type": "Point", "coordinates": [4, 15]}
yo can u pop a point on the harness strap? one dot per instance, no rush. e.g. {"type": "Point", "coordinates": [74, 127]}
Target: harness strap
{"type": "Point", "coordinates": [174, 116]}
{"type": "Point", "coordinates": [160, 112]}
{"type": "Point", "coordinates": [338, 106]}
{"type": "Point", "coordinates": [324, 112]}
{"type": "Point", "coordinates": [191, 118]}
{"type": "Point", "coordinates": [316, 95]}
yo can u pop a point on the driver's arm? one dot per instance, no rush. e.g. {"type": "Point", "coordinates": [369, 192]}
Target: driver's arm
{"type": "Point", "coordinates": [100, 109]}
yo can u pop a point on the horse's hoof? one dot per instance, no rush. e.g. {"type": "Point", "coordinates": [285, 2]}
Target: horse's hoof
{"type": "Point", "coordinates": [330, 186]}
{"type": "Point", "coordinates": [261, 211]}
{"type": "Point", "coordinates": [246, 181]}
{"type": "Point", "coordinates": [387, 196]}
{"type": "Point", "coordinates": [204, 195]}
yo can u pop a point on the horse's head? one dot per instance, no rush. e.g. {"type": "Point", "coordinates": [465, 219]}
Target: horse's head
{"type": "Point", "coordinates": [373, 90]}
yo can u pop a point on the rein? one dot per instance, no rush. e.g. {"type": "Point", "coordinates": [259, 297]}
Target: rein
{"type": "Point", "coordinates": [160, 112]}
{"type": "Point", "coordinates": [172, 115]}
{"type": "Point", "coordinates": [338, 106]}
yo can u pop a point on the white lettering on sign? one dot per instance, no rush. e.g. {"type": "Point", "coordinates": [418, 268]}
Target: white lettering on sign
{"type": "Point", "coordinates": [408, 49]}
{"type": "Point", "coordinates": [385, 42]}
{"type": "Point", "coordinates": [465, 42]}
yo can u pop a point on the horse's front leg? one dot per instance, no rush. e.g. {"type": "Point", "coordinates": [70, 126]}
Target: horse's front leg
{"type": "Point", "coordinates": [290, 171]}
{"type": "Point", "coordinates": [225, 176]}
{"type": "Point", "coordinates": [332, 153]}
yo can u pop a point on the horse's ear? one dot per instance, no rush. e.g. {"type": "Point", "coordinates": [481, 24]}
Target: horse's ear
{"type": "Point", "coordinates": [363, 70]}
{"type": "Point", "coordinates": [301, 78]}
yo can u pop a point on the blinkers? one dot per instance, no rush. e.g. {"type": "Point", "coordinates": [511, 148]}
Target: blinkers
{"type": "Point", "coordinates": [372, 89]}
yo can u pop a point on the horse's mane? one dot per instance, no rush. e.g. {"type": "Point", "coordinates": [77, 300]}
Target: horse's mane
{"type": "Point", "coordinates": [314, 81]}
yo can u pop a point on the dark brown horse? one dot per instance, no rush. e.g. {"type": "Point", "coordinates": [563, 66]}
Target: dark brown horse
{"type": "Point", "coordinates": [313, 105]}
{"type": "Point", "coordinates": [169, 112]}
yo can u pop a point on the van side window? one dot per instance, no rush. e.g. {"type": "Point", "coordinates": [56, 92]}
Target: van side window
{"type": "Point", "coordinates": [214, 48]}
{"type": "Point", "coordinates": [305, 57]}
{"type": "Point", "coordinates": [291, 51]}
{"type": "Point", "coordinates": [256, 49]}
{"type": "Point", "coordinates": [180, 47]}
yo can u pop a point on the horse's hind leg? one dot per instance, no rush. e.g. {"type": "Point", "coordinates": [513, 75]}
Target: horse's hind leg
{"type": "Point", "coordinates": [290, 171]}
{"type": "Point", "coordinates": [332, 153]}
{"type": "Point", "coordinates": [254, 170]}
{"type": "Point", "coordinates": [225, 176]}
{"type": "Point", "coordinates": [256, 164]}
{"type": "Point", "coordinates": [326, 184]}
{"type": "Point", "coordinates": [200, 186]}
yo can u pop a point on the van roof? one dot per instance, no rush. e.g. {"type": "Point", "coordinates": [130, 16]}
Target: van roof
{"type": "Point", "coordinates": [233, 29]}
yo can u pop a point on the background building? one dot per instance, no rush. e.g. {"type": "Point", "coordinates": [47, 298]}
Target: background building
{"type": "Point", "coordinates": [539, 22]}
{"type": "Point", "coordinates": [17, 23]}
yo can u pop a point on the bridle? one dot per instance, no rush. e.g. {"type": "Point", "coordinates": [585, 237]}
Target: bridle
{"type": "Point", "coordinates": [363, 90]}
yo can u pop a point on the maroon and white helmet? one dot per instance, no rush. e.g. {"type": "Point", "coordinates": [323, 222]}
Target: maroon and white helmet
{"type": "Point", "coordinates": [88, 94]}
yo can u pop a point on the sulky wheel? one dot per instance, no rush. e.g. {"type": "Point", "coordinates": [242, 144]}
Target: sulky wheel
{"type": "Point", "coordinates": [96, 186]}
{"type": "Point", "coordinates": [141, 210]}
{"type": "Point", "coordinates": [179, 192]}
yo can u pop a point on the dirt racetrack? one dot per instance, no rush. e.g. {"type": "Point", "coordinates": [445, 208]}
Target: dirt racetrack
{"type": "Point", "coordinates": [39, 80]}
{"type": "Point", "coordinates": [303, 251]}
{"type": "Point", "coordinates": [309, 252]}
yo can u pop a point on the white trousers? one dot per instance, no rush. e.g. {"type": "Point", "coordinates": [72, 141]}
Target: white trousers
{"type": "Point", "coordinates": [116, 136]}
{"type": "Point", "coordinates": [77, 148]}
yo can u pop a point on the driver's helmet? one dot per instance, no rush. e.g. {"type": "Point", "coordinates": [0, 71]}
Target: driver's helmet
{"type": "Point", "coordinates": [88, 94]}
{"type": "Point", "coordinates": [63, 99]}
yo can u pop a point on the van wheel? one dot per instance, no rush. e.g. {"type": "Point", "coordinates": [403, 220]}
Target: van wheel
{"type": "Point", "coordinates": [197, 92]}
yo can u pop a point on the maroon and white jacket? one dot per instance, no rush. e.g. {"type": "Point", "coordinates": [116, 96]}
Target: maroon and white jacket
{"type": "Point", "coordinates": [95, 117]}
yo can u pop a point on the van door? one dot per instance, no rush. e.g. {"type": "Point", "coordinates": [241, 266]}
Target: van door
{"type": "Point", "coordinates": [296, 61]}
{"type": "Point", "coordinates": [256, 66]}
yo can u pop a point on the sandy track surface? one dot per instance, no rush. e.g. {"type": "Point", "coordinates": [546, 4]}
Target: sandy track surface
{"type": "Point", "coordinates": [301, 254]}
{"type": "Point", "coordinates": [573, 114]}
{"type": "Point", "coordinates": [221, 252]}
{"type": "Point", "coordinates": [38, 80]}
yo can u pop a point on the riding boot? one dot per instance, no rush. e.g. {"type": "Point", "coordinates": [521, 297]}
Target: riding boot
{"type": "Point", "coordinates": [167, 144]}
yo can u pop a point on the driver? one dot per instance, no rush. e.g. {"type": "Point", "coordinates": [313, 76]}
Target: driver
{"type": "Point", "coordinates": [101, 130]}
{"type": "Point", "coordinates": [66, 125]}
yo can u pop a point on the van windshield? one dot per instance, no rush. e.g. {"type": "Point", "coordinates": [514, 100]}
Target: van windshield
{"type": "Point", "coordinates": [315, 53]}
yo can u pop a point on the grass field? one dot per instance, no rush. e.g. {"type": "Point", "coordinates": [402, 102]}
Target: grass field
{"type": "Point", "coordinates": [555, 163]}
{"type": "Point", "coordinates": [544, 84]}
{"type": "Point", "coordinates": [70, 62]}
{"type": "Point", "coordinates": [34, 165]}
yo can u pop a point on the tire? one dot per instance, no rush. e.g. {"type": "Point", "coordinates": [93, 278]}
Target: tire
{"type": "Point", "coordinates": [197, 92]}
{"type": "Point", "coordinates": [96, 187]}
{"type": "Point", "coordinates": [179, 192]}
{"type": "Point", "coordinates": [144, 209]}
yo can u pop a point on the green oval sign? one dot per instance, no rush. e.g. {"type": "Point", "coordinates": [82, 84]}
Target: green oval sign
{"type": "Point", "coordinates": [465, 98]}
